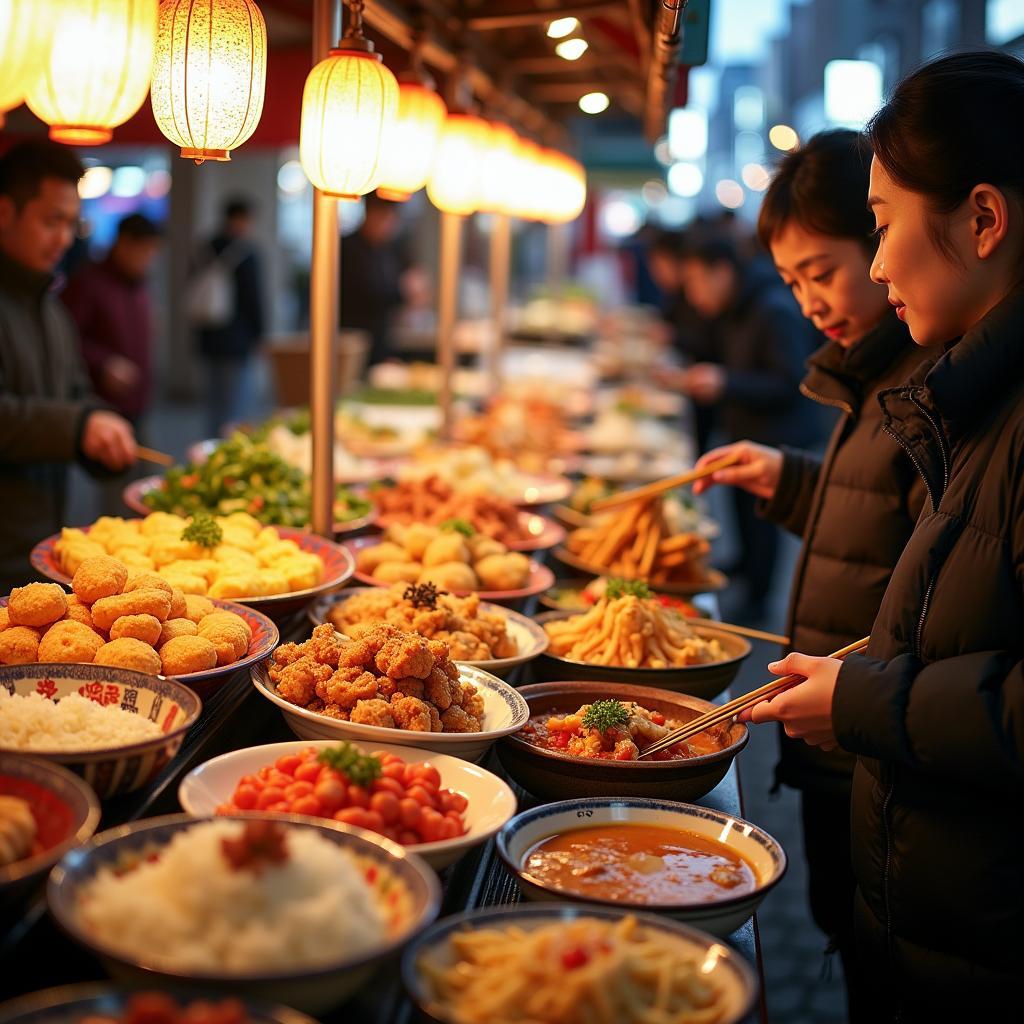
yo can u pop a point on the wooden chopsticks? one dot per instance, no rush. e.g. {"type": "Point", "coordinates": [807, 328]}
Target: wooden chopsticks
{"type": "Point", "coordinates": [753, 634]}
{"type": "Point", "coordinates": [661, 486]}
{"type": "Point", "coordinates": [722, 714]}
{"type": "Point", "coordinates": [152, 455]}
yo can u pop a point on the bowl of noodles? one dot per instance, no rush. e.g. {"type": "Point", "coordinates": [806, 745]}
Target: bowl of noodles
{"type": "Point", "coordinates": [560, 964]}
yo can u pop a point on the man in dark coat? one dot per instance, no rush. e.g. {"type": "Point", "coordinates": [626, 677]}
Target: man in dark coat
{"type": "Point", "coordinates": [48, 414]}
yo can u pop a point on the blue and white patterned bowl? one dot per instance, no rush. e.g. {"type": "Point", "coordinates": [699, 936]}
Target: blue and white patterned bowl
{"type": "Point", "coordinates": [765, 855]}
{"type": "Point", "coordinates": [66, 815]}
{"type": "Point", "coordinates": [432, 952]}
{"type": "Point", "coordinates": [505, 712]}
{"type": "Point", "coordinates": [71, 1004]}
{"type": "Point", "coordinates": [113, 770]}
{"type": "Point", "coordinates": [311, 990]}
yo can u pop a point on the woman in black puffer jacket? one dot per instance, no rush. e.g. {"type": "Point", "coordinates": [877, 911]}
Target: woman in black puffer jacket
{"type": "Point", "coordinates": [935, 710]}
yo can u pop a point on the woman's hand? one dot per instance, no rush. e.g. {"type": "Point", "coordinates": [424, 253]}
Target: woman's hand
{"type": "Point", "coordinates": [805, 709]}
{"type": "Point", "coordinates": [757, 471]}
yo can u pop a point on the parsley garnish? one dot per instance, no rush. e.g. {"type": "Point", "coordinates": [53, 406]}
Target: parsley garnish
{"type": "Point", "coordinates": [203, 531]}
{"type": "Point", "coordinates": [605, 714]}
{"type": "Point", "coordinates": [458, 526]}
{"type": "Point", "coordinates": [617, 588]}
{"type": "Point", "coordinates": [346, 758]}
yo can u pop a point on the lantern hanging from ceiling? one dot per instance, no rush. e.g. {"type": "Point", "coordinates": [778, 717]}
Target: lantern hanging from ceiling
{"type": "Point", "coordinates": [500, 167]}
{"type": "Point", "coordinates": [95, 69]}
{"type": "Point", "coordinates": [527, 190]}
{"type": "Point", "coordinates": [348, 100]}
{"type": "Point", "coordinates": [23, 36]}
{"type": "Point", "coordinates": [455, 180]}
{"type": "Point", "coordinates": [209, 75]}
{"type": "Point", "coordinates": [568, 188]}
{"type": "Point", "coordinates": [410, 141]}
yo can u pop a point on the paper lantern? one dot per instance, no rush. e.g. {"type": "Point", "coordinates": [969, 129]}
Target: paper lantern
{"type": "Point", "coordinates": [528, 184]}
{"type": "Point", "coordinates": [500, 167]}
{"type": "Point", "coordinates": [410, 141]}
{"type": "Point", "coordinates": [568, 187]}
{"type": "Point", "coordinates": [209, 75]}
{"type": "Point", "coordinates": [455, 180]}
{"type": "Point", "coordinates": [348, 99]}
{"type": "Point", "coordinates": [23, 36]}
{"type": "Point", "coordinates": [95, 69]}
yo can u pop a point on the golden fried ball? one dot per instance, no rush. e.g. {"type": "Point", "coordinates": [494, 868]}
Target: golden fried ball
{"type": "Point", "coordinates": [184, 654]}
{"type": "Point", "coordinates": [78, 611]}
{"type": "Point", "coordinates": [37, 604]}
{"type": "Point", "coordinates": [449, 576]}
{"type": "Point", "coordinates": [137, 602]}
{"type": "Point", "coordinates": [101, 576]}
{"type": "Point", "coordinates": [69, 641]}
{"type": "Point", "coordinates": [178, 607]}
{"type": "Point", "coordinates": [176, 627]}
{"type": "Point", "coordinates": [147, 581]}
{"type": "Point", "coordinates": [127, 652]}
{"type": "Point", "coordinates": [19, 645]}
{"type": "Point", "coordinates": [230, 640]}
{"type": "Point", "coordinates": [142, 627]}
{"type": "Point", "coordinates": [5, 618]}
{"type": "Point", "coordinates": [223, 615]}
{"type": "Point", "coordinates": [197, 607]}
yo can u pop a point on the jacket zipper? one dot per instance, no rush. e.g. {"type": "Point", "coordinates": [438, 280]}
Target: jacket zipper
{"type": "Point", "coordinates": [822, 400]}
{"type": "Point", "coordinates": [940, 438]}
{"type": "Point", "coordinates": [916, 464]}
{"type": "Point", "coordinates": [885, 876]}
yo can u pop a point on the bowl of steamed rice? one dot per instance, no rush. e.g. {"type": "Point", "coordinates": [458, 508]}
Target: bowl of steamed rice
{"type": "Point", "coordinates": [116, 728]}
{"type": "Point", "coordinates": [262, 908]}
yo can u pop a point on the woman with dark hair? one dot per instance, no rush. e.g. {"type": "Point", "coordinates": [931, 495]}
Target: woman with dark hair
{"type": "Point", "coordinates": [855, 507]}
{"type": "Point", "coordinates": [935, 709]}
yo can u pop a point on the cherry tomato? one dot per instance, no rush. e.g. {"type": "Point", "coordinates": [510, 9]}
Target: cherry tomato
{"type": "Point", "coordinates": [450, 829]}
{"type": "Point", "coordinates": [352, 816]}
{"type": "Point", "coordinates": [308, 771]}
{"type": "Point", "coordinates": [407, 837]}
{"type": "Point", "coordinates": [394, 770]}
{"type": "Point", "coordinates": [270, 795]}
{"type": "Point", "coordinates": [429, 774]}
{"type": "Point", "coordinates": [422, 796]}
{"type": "Point", "coordinates": [298, 789]}
{"type": "Point", "coordinates": [307, 805]}
{"type": "Point", "coordinates": [332, 795]}
{"type": "Point", "coordinates": [373, 820]}
{"type": "Point", "coordinates": [288, 763]}
{"type": "Point", "coordinates": [430, 825]}
{"type": "Point", "coordinates": [281, 807]}
{"type": "Point", "coordinates": [277, 778]}
{"type": "Point", "coordinates": [358, 796]}
{"type": "Point", "coordinates": [386, 785]}
{"type": "Point", "coordinates": [387, 806]}
{"type": "Point", "coordinates": [458, 801]}
{"type": "Point", "coordinates": [245, 797]}
{"type": "Point", "coordinates": [409, 812]}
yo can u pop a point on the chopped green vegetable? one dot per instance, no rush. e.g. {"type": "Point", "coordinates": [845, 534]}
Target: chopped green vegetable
{"type": "Point", "coordinates": [203, 531]}
{"type": "Point", "coordinates": [617, 588]}
{"type": "Point", "coordinates": [605, 714]}
{"type": "Point", "coordinates": [458, 526]}
{"type": "Point", "coordinates": [362, 769]}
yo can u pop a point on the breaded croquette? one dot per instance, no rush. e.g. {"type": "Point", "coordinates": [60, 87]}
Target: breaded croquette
{"type": "Point", "coordinates": [37, 604]}
{"type": "Point", "coordinates": [198, 607]}
{"type": "Point", "coordinates": [100, 576]}
{"type": "Point", "coordinates": [145, 601]}
{"type": "Point", "coordinates": [78, 611]}
{"type": "Point", "coordinates": [147, 581]}
{"type": "Point", "coordinates": [176, 627]}
{"type": "Point", "coordinates": [142, 627]}
{"type": "Point", "coordinates": [184, 654]}
{"type": "Point", "coordinates": [229, 637]}
{"type": "Point", "coordinates": [69, 641]}
{"type": "Point", "coordinates": [127, 652]}
{"type": "Point", "coordinates": [19, 645]}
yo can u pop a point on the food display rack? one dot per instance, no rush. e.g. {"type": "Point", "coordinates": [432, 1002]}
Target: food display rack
{"type": "Point", "coordinates": [35, 954]}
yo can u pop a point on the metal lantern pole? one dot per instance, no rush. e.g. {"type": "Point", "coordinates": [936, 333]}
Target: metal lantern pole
{"type": "Point", "coordinates": [447, 310]}
{"type": "Point", "coordinates": [323, 311]}
{"type": "Point", "coordinates": [501, 245]}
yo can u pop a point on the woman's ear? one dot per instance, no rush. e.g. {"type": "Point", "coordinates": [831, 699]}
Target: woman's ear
{"type": "Point", "coordinates": [989, 212]}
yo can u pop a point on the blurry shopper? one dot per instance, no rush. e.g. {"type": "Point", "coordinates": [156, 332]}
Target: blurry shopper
{"type": "Point", "coordinates": [856, 506]}
{"type": "Point", "coordinates": [109, 302]}
{"type": "Point", "coordinates": [761, 341]}
{"type": "Point", "coordinates": [377, 277]}
{"type": "Point", "coordinates": [935, 709]}
{"type": "Point", "coordinates": [48, 414]}
{"type": "Point", "coordinates": [225, 302]}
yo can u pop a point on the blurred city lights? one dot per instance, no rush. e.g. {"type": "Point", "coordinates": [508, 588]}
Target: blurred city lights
{"type": "Point", "coordinates": [594, 102]}
{"type": "Point", "coordinates": [781, 136]}
{"type": "Point", "coordinates": [755, 177]}
{"type": "Point", "coordinates": [571, 49]}
{"type": "Point", "coordinates": [95, 182]}
{"type": "Point", "coordinates": [853, 92]}
{"type": "Point", "coordinates": [687, 134]}
{"type": "Point", "coordinates": [685, 179]}
{"type": "Point", "coordinates": [729, 193]}
{"type": "Point", "coordinates": [561, 27]}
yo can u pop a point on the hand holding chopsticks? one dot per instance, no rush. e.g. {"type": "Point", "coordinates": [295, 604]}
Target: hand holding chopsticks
{"type": "Point", "coordinates": [668, 484]}
{"type": "Point", "coordinates": [152, 455]}
{"type": "Point", "coordinates": [721, 715]}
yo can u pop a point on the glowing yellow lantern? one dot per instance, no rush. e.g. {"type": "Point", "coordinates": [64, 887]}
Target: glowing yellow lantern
{"type": "Point", "coordinates": [568, 189]}
{"type": "Point", "coordinates": [23, 35]}
{"type": "Point", "coordinates": [454, 182]}
{"type": "Point", "coordinates": [411, 140]}
{"type": "Point", "coordinates": [94, 72]}
{"type": "Point", "coordinates": [500, 167]}
{"type": "Point", "coordinates": [527, 193]}
{"type": "Point", "coordinates": [209, 75]}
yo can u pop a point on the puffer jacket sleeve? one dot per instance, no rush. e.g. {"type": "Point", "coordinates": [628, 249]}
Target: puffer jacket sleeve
{"type": "Point", "coordinates": [959, 718]}
{"type": "Point", "coordinates": [790, 506]}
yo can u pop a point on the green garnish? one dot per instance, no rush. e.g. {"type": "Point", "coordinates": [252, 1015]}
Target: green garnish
{"type": "Point", "coordinates": [605, 714]}
{"type": "Point", "coordinates": [203, 531]}
{"type": "Point", "coordinates": [346, 758]}
{"type": "Point", "coordinates": [458, 526]}
{"type": "Point", "coordinates": [617, 588]}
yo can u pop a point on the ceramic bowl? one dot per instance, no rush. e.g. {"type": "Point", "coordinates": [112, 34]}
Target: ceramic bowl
{"type": "Point", "coordinates": [505, 712]}
{"type": "Point", "coordinates": [722, 916]}
{"type": "Point", "coordinates": [432, 952]}
{"type": "Point", "coordinates": [66, 812]}
{"type": "Point", "coordinates": [72, 1004]}
{"type": "Point", "coordinates": [112, 770]}
{"type": "Point", "coordinates": [311, 990]}
{"type": "Point", "coordinates": [553, 775]}
{"type": "Point", "coordinates": [531, 640]}
{"type": "Point", "coordinates": [491, 802]}
{"type": "Point", "coordinates": [705, 681]}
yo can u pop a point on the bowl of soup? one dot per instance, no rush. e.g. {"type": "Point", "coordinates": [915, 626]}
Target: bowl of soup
{"type": "Point", "coordinates": [555, 756]}
{"type": "Point", "coordinates": [695, 864]}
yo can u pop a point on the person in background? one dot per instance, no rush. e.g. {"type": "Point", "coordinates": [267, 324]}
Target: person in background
{"type": "Point", "coordinates": [761, 341]}
{"type": "Point", "coordinates": [855, 507]}
{"type": "Point", "coordinates": [109, 302]}
{"type": "Point", "coordinates": [48, 414]}
{"type": "Point", "coordinates": [376, 276]}
{"type": "Point", "coordinates": [227, 347]}
{"type": "Point", "coordinates": [934, 710]}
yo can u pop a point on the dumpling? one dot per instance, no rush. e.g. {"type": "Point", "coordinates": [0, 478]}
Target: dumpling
{"type": "Point", "coordinates": [449, 576]}
{"type": "Point", "coordinates": [503, 572]}
{"type": "Point", "coordinates": [398, 571]}
{"type": "Point", "coordinates": [446, 547]}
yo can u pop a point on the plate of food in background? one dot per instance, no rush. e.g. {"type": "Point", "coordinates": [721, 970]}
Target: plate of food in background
{"type": "Point", "coordinates": [577, 595]}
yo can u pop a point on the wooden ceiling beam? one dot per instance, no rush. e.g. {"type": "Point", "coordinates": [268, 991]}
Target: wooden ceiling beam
{"type": "Point", "coordinates": [506, 15]}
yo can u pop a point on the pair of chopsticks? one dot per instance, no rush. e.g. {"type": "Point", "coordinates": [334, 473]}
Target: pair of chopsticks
{"type": "Point", "coordinates": [661, 486]}
{"type": "Point", "coordinates": [722, 714]}
{"type": "Point", "coordinates": [747, 631]}
{"type": "Point", "coordinates": [152, 455]}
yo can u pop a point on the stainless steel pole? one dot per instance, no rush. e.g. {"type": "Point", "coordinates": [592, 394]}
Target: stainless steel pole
{"type": "Point", "coordinates": [323, 311]}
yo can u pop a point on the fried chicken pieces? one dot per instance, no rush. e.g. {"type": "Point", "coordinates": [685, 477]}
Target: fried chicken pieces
{"type": "Point", "coordinates": [388, 678]}
{"type": "Point", "coordinates": [136, 621]}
